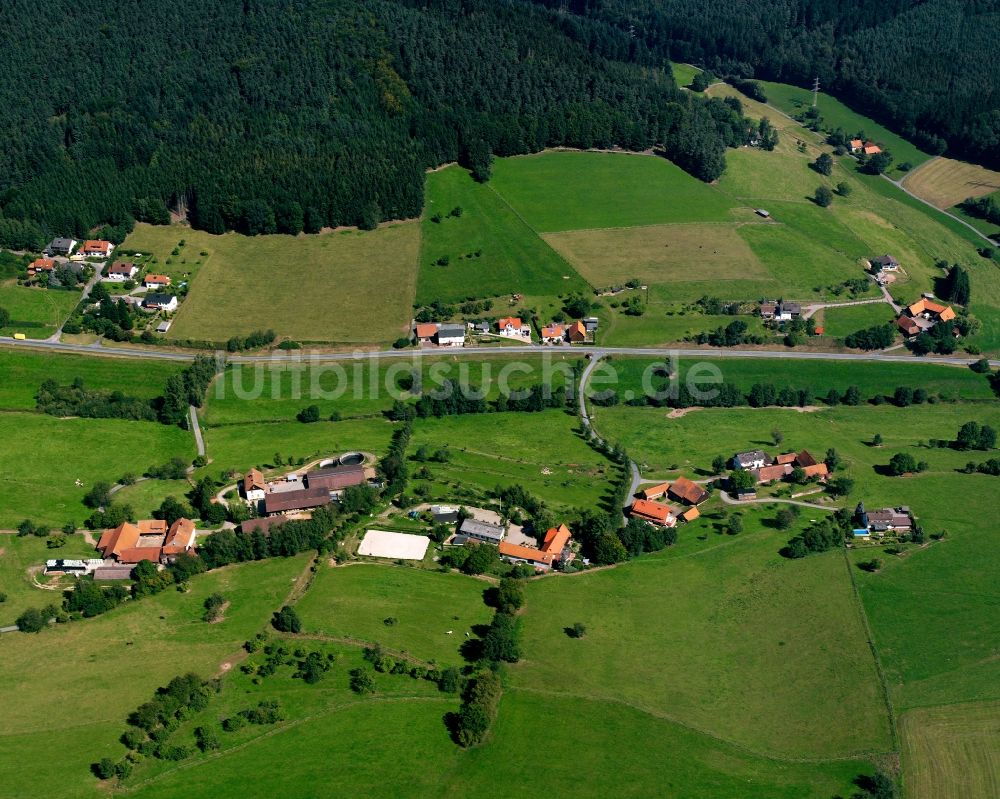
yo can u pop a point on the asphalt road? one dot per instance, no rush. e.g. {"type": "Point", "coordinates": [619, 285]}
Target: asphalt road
{"type": "Point", "coordinates": [294, 356]}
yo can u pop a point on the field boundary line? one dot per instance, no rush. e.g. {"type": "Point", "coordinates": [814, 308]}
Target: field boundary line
{"type": "Point", "coordinates": [876, 657]}
{"type": "Point", "coordinates": [659, 714]}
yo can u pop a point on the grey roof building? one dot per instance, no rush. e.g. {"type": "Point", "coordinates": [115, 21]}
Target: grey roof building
{"type": "Point", "coordinates": [482, 531]}
{"type": "Point", "coordinates": [60, 246]}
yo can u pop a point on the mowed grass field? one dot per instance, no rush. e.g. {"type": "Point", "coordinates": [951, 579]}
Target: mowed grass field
{"type": "Point", "coordinates": [683, 73]}
{"type": "Point", "coordinates": [354, 601]}
{"type": "Point", "coordinates": [945, 182]}
{"type": "Point", "coordinates": [841, 322]}
{"type": "Point", "coordinates": [36, 312]}
{"type": "Point", "coordinates": [347, 287]}
{"type": "Point", "coordinates": [556, 191]}
{"type": "Point", "coordinates": [491, 250]}
{"type": "Point", "coordinates": [952, 751]}
{"type": "Point", "coordinates": [725, 637]}
{"type": "Point", "coordinates": [23, 371]}
{"type": "Point", "coordinates": [98, 670]}
{"type": "Point", "coordinates": [659, 254]}
{"type": "Point", "coordinates": [43, 457]}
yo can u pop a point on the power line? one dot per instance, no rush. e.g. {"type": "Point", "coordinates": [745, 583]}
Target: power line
{"type": "Point", "coordinates": [815, 90]}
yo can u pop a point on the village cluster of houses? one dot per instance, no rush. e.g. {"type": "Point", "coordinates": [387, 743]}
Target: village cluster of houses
{"type": "Point", "coordinates": [882, 522]}
{"type": "Point", "coordinates": [922, 315]}
{"type": "Point", "coordinates": [689, 494]}
{"type": "Point", "coordinates": [509, 327]}
{"type": "Point", "coordinates": [92, 248]}
{"type": "Point", "coordinates": [766, 469]}
{"type": "Point", "coordinates": [553, 550]}
{"type": "Point", "coordinates": [123, 547]}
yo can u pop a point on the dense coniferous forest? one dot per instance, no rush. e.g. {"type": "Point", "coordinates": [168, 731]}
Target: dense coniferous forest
{"type": "Point", "coordinates": [928, 68]}
{"type": "Point", "coordinates": [292, 115]}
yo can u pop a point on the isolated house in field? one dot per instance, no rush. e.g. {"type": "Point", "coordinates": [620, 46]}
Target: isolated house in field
{"type": "Point", "coordinates": [254, 487]}
{"type": "Point", "coordinates": [160, 302]}
{"type": "Point", "coordinates": [871, 148]}
{"type": "Point", "coordinates": [515, 553]}
{"type": "Point", "coordinates": [97, 248]}
{"type": "Point", "coordinates": [300, 499]}
{"type": "Point", "coordinates": [120, 271]}
{"type": "Point", "coordinates": [336, 478]}
{"type": "Point", "coordinates": [577, 333]}
{"type": "Point", "coordinates": [856, 145]}
{"type": "Point", "coordinates": [884, 263]}
{"type": "Point", "coordinates": [513, 327]}
{"type": "Point", "coordinates": [687, 491]}
{"type": "Point", "coordinates": [653, 512]}
{"type": "Point", "coordinates": [553, 334]}
{"type": "Point", "coordinates": [931, 311]}
{"type": "Point", "coordinates": [887, 520]}
{"type": "Point", "coordinates": [425, 332]}
{"type": "Point", "coordinates": [60, 246]}
{"type": "Point", "coordinates": [484, 532]}
{"type": "Point", "coordinates": [451, 336]}
{"type": "Point", "coordinates": [753, 459]}
{"type": "Point", "coordinates": [156, 281]}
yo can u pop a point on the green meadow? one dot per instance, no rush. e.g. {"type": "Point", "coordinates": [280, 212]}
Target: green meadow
{"type": "Point", "coordinates": [43, 457]}
{"type": "Point", "coordinates": [20, 558]}
{"type": "Point", "coordinates": [683, 73]}
{"type": "Point", "coordinates": [36, 312]}
{"type": "Point", "coordinates": [490, 249]}
{"type": "Point", "coordinates": [841, 322]}
{"type": "Point", "coordinates": [23, 371]}
{"type": "Point", "coordinates": [557, 191]}
{"type": "Point", "coordinates": [354, 601]}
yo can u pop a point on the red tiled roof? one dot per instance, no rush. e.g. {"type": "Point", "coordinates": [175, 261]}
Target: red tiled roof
{"type": "Point", "coordinates": [816, 470]}
{"type": "Point", "coordinates": [98, 245]}
{"type": "Point", "coordinates": [253, 479]}
{"type": "Point", "coordinates": [786, 457]}
{"type": "Point", "coordinates": [691, 514]}
{"type": "Point", "coordinates": [180, 537]}
{"type": "Point", "coordinates": [510, 321]}
{"type": "Point", "coordinates": [137, 554]}
{"type": "Point", "coordinates": [553, 331]}
{"type": "Point", "coordinates": [907, 325]}
{"type": "Point", "coordinates": [525, 553]}
{"type": "Point", "coordinates": [687, 491]}
{"type": "Point", "coordinates": [426, 330]}
{"type": "Point", "coordinates": [296, 500]}
{"type": "Point", "coordinates": [577, 331]}
{"type": "Point", "coordinates": [652, 492]}
{"type": "Point", "coordinates": [776, 472]}
{"type": "Point", "coordinates": [651, 511]}
{"type": "Point", "coordinates": [43, 264]}
{"type": "Point", "coordinates": [161, 279]}
{"type": "Point", "coordinates": [556, 540]}
{"type": "Point", "coordinates": [805, 458]}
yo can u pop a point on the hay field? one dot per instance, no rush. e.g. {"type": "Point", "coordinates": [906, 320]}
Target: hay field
{"type": "Point", "coordinates": [945, 182]}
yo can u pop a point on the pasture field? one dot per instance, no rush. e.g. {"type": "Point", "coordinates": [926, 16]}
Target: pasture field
{"type": "Point", "coordinates": [792, 100]}
{"type": "Point", "coordinates": [36, 312]}
{"type": "Point", "coordinates": [658, 327]}
{"type": "Point", "coordinates": [354, 601]}
{"type": "Point", "coordinates": [756, 110]}
{"type": "Point", "coordinates": [540, 451]}
{"type": "Point", "coordinates": [951, 382]}
{"type": "Point", "coordinates": [238, 447]}
{"type": "Point", "coordinates": [840, 322]}
{"type": "Point", "coordinates": [660, 254]}
{"type": "Point", "coordinates": [683, 73]}
{"type": "Point", "coordinates": [98, 670]}
{"type": "Point", "coordinates": [491, 250]}
{"type": "Point", "coordinates": [556, 191]}
{"type": "Point", "coordinates": [146, 496]}
{"type": "Point", "coordinates": [23, 371]}
{"type": "Point", "coordinates": [952, 751]}
{"type": "Point", "coordinates": [42, 457]}
{"type": "Point", "coordinates": [323, 288]}
{"type": "Point", "coordinates": [361, 388]}
{"type": "Point", "coordinates": [17, 555]}
{"type": "Point", "coordinates": [945, 182]}
{"type": "Point", "coordinates": [706, 629]}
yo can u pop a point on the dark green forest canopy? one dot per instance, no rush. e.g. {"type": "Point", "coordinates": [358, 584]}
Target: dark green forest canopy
{"type": "Point", "coordinates": [284, 115]}
{"type": "Point", "coordinates": [928, 68]}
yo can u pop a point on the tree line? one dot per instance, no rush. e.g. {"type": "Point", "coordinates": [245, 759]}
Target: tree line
{"type": "Point", "coordinates": [291, 115]}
